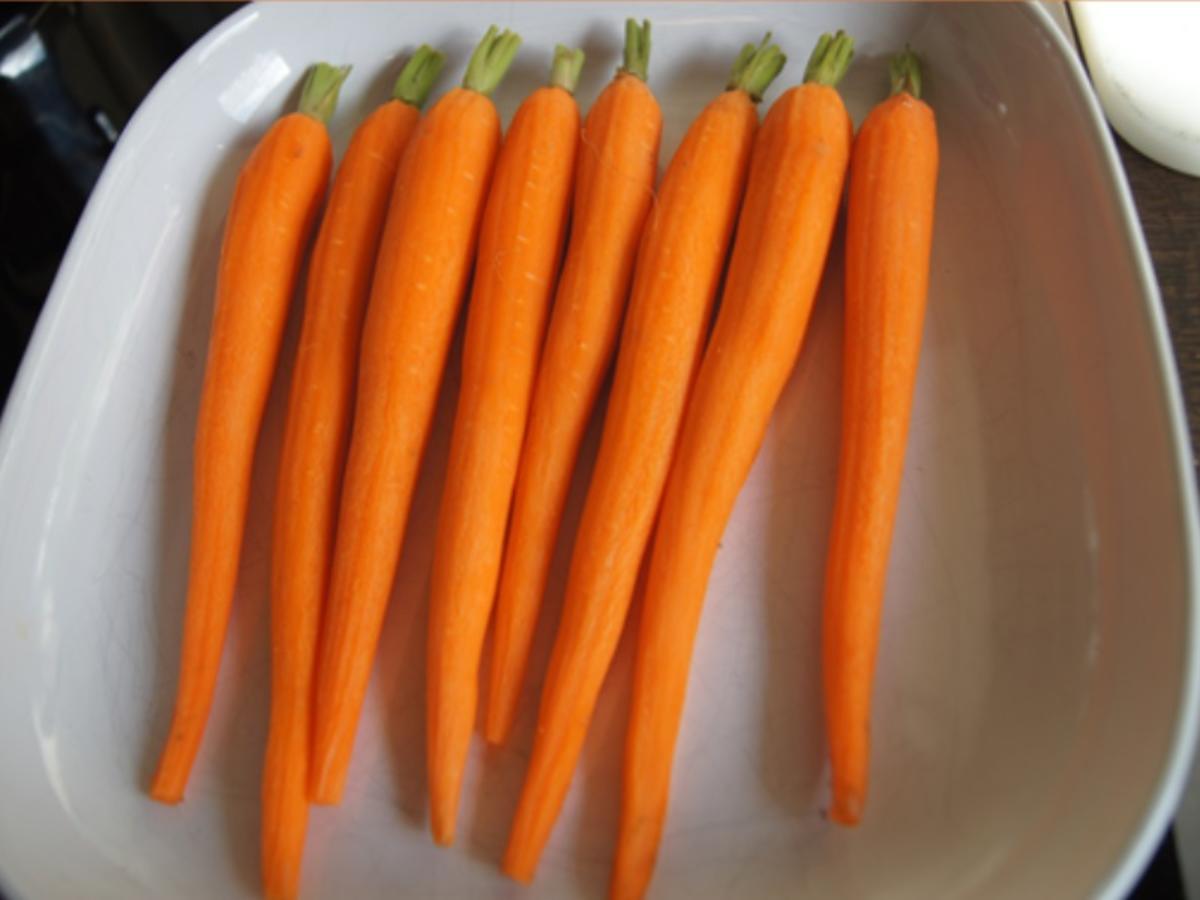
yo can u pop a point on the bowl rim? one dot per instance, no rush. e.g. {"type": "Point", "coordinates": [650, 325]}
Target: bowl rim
{"type": "Point", "coordinates": [1169, 788]}
{"type": "Point", "coordinates": [1172, 780]}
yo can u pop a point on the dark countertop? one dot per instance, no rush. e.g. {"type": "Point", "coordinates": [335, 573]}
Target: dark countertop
{"type": "Point", "coordinates": [1169, 207]}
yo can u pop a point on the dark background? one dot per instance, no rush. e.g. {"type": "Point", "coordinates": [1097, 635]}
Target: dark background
{"type": "Point", "coordinates": [71, 75]}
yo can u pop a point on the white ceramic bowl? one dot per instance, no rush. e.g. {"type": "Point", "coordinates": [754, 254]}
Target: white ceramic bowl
{"type": "Point", "coordinates": [1037, 681]}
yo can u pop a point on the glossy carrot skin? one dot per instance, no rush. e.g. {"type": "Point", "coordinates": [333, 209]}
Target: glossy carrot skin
{"type": "Point", "coordinates": [795, 186]}
{"type": "Point", "coordinates": [274, 208]}
{"type": "Point", "coordinates": [520, 246]}
{"type": "Point", "coordinates": [420, 278]}
{"type": "Point", "coordinates": [889, 231]}
{"type": "Point", "coordinates": [314, 448]}
{"type": "Point", "coordinates": [613, 191]}
{"type": "Point", "coordinates": [678, 271]}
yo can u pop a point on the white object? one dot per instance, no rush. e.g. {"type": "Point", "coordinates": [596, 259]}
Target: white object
{"type": "Point", "coordinates": [1037, 679]}
{"type": "Point", "coordinates": [1142, 58]}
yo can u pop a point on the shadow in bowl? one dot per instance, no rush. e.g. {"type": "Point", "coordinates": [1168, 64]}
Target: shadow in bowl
{"type": "Point", "coordinates": [803, 447]}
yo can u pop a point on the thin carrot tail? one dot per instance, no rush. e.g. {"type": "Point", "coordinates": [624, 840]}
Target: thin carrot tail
{"type": "Point", "coordinates": [849, 795]}
{"type": "Point", "coordinates": [852, 608]}
{"type": "Point", "coordinates": [550, 770]}
{"type": "Point", "coordinates": [636, 855]}
{"type": "Point", "coordinates": [511, 645]}
{"type": "Point", "coordinates": [285, 809]}
{"type": "Point", "coordinates": [847, 692]}
{"type": "Point", "coordinates": [206, 620]}
{"type": "Point", "coordinates": [447, 758]}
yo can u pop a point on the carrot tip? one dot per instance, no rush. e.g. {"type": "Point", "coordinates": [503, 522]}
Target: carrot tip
{"type": "Point", "coordinates": [756, 67]}
{"type": "Point", "coordinates": [418, 75]}
{"type": "Point", "coordinates": [491, 59]}
{"type": "Point", "coordinates": [830, 59]}
{"type": "Point", "coordinates": [637, 48]}
{"type": "Point", "coordinates": [319, 96]}
{"type": "Point", "coordinates": [905, 71]}
{"type": "Point", "coordinates": [564, 71]}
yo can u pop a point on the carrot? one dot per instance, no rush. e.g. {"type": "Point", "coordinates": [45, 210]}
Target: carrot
{"type": "Point", "coordinates": [275, 203]}
{"type": "Point", "coordinates": [420, 276]}
{"type": "Point", "coordinates": [519, 250]}
{"type": "Point", "coordinates": [678, 271]}
{"type": "Point", "coordinates": [795, 186]}
{"type": "Point", "coordinates": [314, 447]}
{"type": "Point", "coordinates": [613, 190]}
{"type": "Point", "coordinates": [889, 230]}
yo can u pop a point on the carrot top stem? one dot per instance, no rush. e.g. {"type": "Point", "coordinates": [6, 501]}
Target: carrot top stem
{"type": "Point", "coordinates": [491, 60]}
{"type": "Point", "coordinates": [319, 96]}
{"type": "Point", "coordinates": [906, 73]}
{"type": "Point", "coordinates": [637, 48]}
{"type": "Point", "coordinates": [564, 71]}
{"type": "Point", "coordinates": [756, 67]}
{"type": "Point", "coordinates": [831, 58]}
{"type": "Point", "coordinates": [418, 75]}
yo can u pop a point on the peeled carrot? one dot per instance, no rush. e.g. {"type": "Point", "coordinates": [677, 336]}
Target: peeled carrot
{"type": "Point", "coordinates": [421, 274]}
{"type": "Point", "coordinates": [314, 447]}
{"type": "Point", "coordinates": [889, 232]}
{"type": "Point", "coordinates": [795, 186]}
{"type": "Point", "coordinates": [275, 204]}
{"type": "Point", "coordinates": [678, 271]}
{"type": "Point", "coordinates": [519, 250]}
{"type": "Point", "coordinates": [614, 187]}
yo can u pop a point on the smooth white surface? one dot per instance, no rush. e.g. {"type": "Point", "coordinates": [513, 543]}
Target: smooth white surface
{"type": "Point", "coordinates": [1142, 58]}
{"type": "Point", "coordinates": [1037, 677]}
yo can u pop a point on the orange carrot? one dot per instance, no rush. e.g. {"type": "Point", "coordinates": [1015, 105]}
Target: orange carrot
{"type": "Point", "coordinates": [614, 187]}
{"type": "Point", "coordinates": [519, 250]}
{"type": "Point", "coordinates": [314, 447]}
{"type": "Point", "coordinates": [420, 276]}
{"type": "Point", "coordinates": [678, 271]}
{"type": "Point", "coordinates": [792, 197]}
{"type": "Point", "coordinates": [889, 230]}
{"type": "Point", "coordinates": [275, 204]}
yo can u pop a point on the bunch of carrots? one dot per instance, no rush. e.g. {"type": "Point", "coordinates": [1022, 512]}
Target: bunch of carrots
{"type": "Point", "coordinates": [576, 258]}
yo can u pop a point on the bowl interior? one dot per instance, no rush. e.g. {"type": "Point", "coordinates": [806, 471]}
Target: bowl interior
{"type": "Point", "coordinates": [1034, 643]}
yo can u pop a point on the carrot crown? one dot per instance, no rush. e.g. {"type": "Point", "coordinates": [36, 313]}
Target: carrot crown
{"type": "Point", "coordinates": [564, 71]}
{"type": "Point", "coordinates": [830, 59]}
{"type": "Point", "coordinates": [906, 74]}
{"type": "Point", "coordinates": [637, 48]}
{"type": "Point", "coordinates": [491, 60]}
{"type": "Point", "coordinates": [319, 96]}
{"type": "Point", "coordinates": [756, 67]}
{"type": "Point", "coordinates": [418, 75]}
